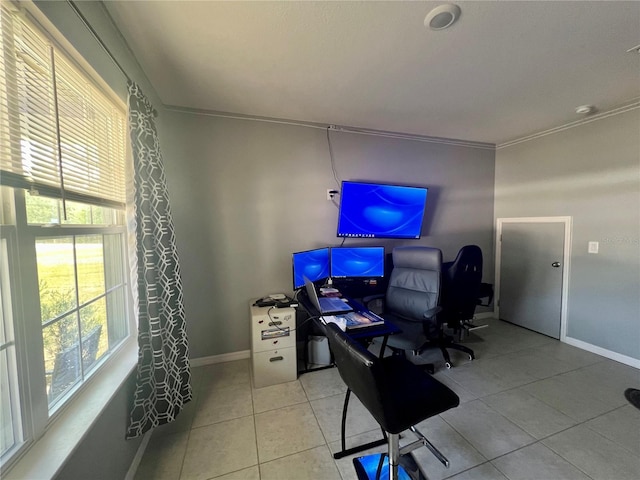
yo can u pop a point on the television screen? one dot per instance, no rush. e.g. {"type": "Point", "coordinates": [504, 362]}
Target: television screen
{"type": "Point", "coordinates": [369, 210]}
{"type": "Point", "coordinates": [352, 262]}
{"type": "Point", "coordinates": [313, 264]}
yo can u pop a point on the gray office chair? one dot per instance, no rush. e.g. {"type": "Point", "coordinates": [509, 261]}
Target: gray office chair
{"type": "Point", "coordinates": [412, 303]}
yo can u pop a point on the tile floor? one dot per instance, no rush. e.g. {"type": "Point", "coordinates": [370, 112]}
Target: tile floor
{"type": "Point", "coordinates": [531, 408]}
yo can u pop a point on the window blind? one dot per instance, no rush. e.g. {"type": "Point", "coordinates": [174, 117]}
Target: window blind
{"type": "Point", "coordinates": [59, 133]}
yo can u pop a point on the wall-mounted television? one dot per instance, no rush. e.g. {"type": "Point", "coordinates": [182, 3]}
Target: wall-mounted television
{"type": "Point", "coordinates": [313, 264]}
{"type": "Point", "coordinates": [373, 210]}
{"type": "Point", "coordinates": [357, 262]}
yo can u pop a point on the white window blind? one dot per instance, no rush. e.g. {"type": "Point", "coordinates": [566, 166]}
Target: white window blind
{"type": "Point", "coordinates": [59, 134]}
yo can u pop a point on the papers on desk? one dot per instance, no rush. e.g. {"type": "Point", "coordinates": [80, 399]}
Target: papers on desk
{"type": "Point", "coordinates": [340, 321]}
{"type": "Point", "coordinates": [353, 320]}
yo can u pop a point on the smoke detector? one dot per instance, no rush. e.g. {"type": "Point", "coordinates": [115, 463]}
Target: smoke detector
{"type": "Point", "coordinates": [585, 109]}
{"type": "Point", "coordinates": [443, 16]}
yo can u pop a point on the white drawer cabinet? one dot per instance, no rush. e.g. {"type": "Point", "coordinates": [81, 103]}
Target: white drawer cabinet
{"type": "Point", "coordinates": [273, 345]}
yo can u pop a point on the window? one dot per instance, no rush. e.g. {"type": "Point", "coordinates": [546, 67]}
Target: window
{"type": "Point", "coordinates": [64, 282]}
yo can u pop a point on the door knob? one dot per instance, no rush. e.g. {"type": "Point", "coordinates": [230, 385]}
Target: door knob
{"type": "Point", "coordinates": [555, 264]}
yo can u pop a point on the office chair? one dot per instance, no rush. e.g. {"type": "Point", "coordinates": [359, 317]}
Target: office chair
{"type": "Point", "coordinates": [462, 289]}
{"type": "Point", "coordinates": [398, 394]}
{"type": "Point", "coordinates": [412, 303]}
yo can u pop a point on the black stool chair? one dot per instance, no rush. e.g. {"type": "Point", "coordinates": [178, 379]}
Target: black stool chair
{"type": "Point", "coordinates": [398, 394]}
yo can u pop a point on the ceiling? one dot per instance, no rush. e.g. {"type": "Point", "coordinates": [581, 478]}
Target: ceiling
{"type": "Point", "coordinates": [504, 71]}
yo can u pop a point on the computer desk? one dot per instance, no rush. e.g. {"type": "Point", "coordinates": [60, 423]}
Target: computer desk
{"type": "Point", "coordinates": [364, 335]}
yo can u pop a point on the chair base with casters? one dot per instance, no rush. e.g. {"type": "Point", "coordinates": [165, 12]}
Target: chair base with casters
{"type": "Point", "coordinates": [416, 341]}
{"type": "Point", "coordinates": [398, 394]}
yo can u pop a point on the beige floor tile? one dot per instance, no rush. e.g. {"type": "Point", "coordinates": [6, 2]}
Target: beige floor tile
{"type": "Point", "coordinates": [222, 374]}
{"type": "Point", "coordinates": [217, 404]}
{"type": "Point", "coordinates": [163, 457]}
{"type": "Point", "coordinates": [278, 396]}
{"type": "Point", "coordinates": [323, 383]}
{"type": "Point", "coordinates": [486, 471]}
{"type": "Point", "coordinates": [460, 453]}
{"type": "Point", "coordinates": [595, 455]}
{"type": "Point", "coordinates": [251, 473]}
{"type": "Point", "coordinates": [328, 411]}
{"type": "Point", "coordinates": [573, 394]}
{"type": "Point", "coordinates": [313, 464]}
{"type": "Point", "coordinates": [219, 449]}
{"type": "Point", "coordinates": [463, 394]}
{"type": "Point", "coordinates": [488, 431]}
{"type": "Point", "coordinates": [532, 415]}
{"type": "Point", "coordinates": [568, 354]}
{"type": "Point", "coordinates": [621, 426]}
{"type": "Point", "coordinates": [537, 462]}
{"type": "Point", "coordinates": [286, 431]}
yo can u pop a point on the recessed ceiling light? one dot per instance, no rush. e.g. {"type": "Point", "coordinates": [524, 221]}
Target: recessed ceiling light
{"type": "Point", "coordinates": [585, 109]}
{"type": "Point", "coordinates": [443, 16]}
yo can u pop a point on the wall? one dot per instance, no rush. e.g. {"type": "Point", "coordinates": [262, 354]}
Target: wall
{"type": "Point", "coordinates": [104, 454]}
{"type": "Point", "coordinates": [591, 173]}
{"type": "Point", "coordinates": [246, 194]}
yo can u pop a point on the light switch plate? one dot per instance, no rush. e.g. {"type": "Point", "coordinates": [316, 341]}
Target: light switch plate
{"type": "Point", "coordinates": [593, 247]}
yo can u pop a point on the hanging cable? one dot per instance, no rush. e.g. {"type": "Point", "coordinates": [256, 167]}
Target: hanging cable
{"type": "Point", "coordinates": [333, 165]}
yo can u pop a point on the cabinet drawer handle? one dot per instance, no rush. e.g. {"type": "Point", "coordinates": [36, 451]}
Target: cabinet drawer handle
{"type": "Point", "coordinates": [273, 324]}
{"type": "Point", "coordinates": [276, 359]}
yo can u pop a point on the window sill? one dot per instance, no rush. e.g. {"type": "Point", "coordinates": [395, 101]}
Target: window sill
{"type": "Point", "coordinates": [48, 454]}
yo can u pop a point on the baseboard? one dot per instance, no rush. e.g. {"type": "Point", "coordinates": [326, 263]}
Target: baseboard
{"type": "Point", "coordinates": [632, 362]}
{"type": "Point", "coordinates": [135, 463]}
{"type": "Point", "coordinates": [225, 357]}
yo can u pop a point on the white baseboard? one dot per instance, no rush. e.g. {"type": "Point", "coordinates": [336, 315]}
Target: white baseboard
{"type": "Point", "coordinates": [135, 463]}
{"type": "Point", "coordinates": [225, 357]}
{"type": "Point", "coordinates": [632, 362]}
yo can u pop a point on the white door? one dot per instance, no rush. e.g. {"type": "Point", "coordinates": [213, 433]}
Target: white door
{"type": "Point", "coordinates": [531, 270]}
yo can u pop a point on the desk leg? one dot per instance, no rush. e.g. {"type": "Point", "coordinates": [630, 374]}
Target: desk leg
{"type": "Point", "coordinates": [384, 345]}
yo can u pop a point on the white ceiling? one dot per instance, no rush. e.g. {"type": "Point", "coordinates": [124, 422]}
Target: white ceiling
{"type": "Point", "coordinates": [505, 70]}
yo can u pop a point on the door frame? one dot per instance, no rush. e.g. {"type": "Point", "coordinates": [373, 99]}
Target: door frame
{"type": "Point", "coordinates": [567, 221]}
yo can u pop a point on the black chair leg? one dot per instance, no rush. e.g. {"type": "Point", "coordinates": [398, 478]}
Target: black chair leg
{"type": "Point", "coordinates": [445, 354]}
{"type": "Point", "coordinates": [464, 349]}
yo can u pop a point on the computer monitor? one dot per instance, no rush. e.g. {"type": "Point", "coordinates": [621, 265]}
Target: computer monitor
{"type": "Point", "coordinates": [372, 210]}
{"type": "Point", "coordinates": [357, 262]}
{"type": "Point", "coordinates": [313, 264]}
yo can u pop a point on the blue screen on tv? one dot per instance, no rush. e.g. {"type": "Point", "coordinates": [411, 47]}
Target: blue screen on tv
{"type": "Point", "coordinates": [313, 264]}
{"type": "Point", "coordinates": [369, 210]}
{"type": "Point", "coordinates": [353, 262]}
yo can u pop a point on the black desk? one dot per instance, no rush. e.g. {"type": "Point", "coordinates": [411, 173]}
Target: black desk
{"type": "Point", "coordinates": [364, 335]}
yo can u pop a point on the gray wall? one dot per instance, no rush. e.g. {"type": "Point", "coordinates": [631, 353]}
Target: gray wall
{"type": "Point", "coordinates": [246, 194]}
{"type": "Point", "coordinates": [104, 454]}
{"type": "Point", "coordinates": [591, 173]}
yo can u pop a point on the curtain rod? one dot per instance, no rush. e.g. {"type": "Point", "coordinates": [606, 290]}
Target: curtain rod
{"type": "Point", "coordinates": [75, 8]}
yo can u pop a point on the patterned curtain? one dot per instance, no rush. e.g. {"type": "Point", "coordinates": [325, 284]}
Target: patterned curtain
{"type": "Point", "coordinates": [163, 379]}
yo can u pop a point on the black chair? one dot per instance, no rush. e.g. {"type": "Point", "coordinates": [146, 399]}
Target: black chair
{"type": "Point", "coordinates": [412, 303]}
{"type": "Point", "coordinates": [398, 394]}
{"type": "Point", "coordinates": [462, 289]}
